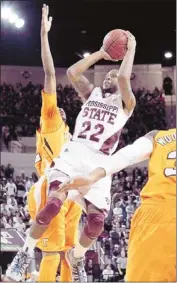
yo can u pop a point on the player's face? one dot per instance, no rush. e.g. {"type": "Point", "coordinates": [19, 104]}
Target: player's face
{"type": "Point", "coordinates": [110, 82]}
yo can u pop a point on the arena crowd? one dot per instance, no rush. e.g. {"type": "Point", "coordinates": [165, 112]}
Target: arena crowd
{"type": "Point", "coordinates": [20, 111]}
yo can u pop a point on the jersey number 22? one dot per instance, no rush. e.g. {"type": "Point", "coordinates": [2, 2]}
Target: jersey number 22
{"type": "Point", "coordinates": [99, 129]}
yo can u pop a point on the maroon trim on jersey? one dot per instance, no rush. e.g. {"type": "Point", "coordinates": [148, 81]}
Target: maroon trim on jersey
{"type": "Point", "coordinates": [110, 142]}
{"type": "Point", "coordinates": [102, 92]}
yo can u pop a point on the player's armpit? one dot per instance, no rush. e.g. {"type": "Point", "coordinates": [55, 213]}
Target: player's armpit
{"type": "Point", "coordinates": [81, 84]}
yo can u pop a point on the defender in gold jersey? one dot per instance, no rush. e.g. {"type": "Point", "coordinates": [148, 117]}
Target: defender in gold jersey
{"type": "Point", "coordinates": [62, 234]}
{"type": "Point", "coordinates": [152, 243]}
{"type": "Point", "coordinates": [52, 135]}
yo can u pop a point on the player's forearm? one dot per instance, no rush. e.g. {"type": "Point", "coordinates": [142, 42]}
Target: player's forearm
{"type": "Point", "coordinates": [132, 154]}
{"type": "Point", "coordinates": [46, 56]}
{"type": "Point", "coordinates": [124, 80]}
{"type": "Point", "coordinates": [81, 66]}
{"type": "Point", "coordinates": [97, 174]}
{"type": "Point", "coordinates": [125, 69]}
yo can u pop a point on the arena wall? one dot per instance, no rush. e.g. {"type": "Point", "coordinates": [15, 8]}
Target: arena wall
{"type": "Point", "coordinates": [20, 161]}
{"type": "Point", "coordinates": [144, 76]}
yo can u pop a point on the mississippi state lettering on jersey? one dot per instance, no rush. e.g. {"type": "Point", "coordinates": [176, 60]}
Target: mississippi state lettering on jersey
{"type": "Point", "coordinates": [100, 121]}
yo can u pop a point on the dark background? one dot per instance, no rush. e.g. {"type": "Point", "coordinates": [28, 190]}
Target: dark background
{"type": "Point", "coordinates": [80, 26]}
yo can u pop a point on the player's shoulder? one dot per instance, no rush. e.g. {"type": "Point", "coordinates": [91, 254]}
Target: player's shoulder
{"type": "Point", "coordinates": [152, 134]}
{"type": "Point", "coordinates": [97, 91]}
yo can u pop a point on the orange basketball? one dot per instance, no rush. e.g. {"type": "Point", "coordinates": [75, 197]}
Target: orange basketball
{"type": "Point", "coordinates": [115, 44]}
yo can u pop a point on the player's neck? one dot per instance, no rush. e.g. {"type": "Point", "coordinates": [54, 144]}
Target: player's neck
{"type": "Point", "coordinates": [107, 92]}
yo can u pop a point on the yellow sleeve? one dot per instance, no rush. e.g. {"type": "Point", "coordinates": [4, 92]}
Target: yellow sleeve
{"type": "Point", "coordinates": [51, 119]}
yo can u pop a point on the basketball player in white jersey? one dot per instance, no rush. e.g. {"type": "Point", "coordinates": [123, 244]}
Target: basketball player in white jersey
{"type": "Point", "coordinates": [98, 127]}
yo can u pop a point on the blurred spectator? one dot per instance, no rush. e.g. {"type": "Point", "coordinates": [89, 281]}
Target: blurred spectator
{"type": "Point", "coordinates": [2, 171]}
{"type": "Point", "coordinates": [28, 184]}
{"type": "Point", "coordinates": [20, 190]}
{"type": "Point", "coordinates": [114, 236]}
{"type": "Point", "coordinates": [6, 135]}
{"type": "Point", "coordinates": [129, 209]}
{"type": "Point", "coordinates": [5, 208]}
{"type": "Point", "coordinates": [121, 264]}
{"type": "Point", "coordinates": [20, 225]}
{"type": "Point", "coordinates": [117, 211]}
{"type": "Point", "coordinates": [115, 254]}
{"type": "Point", "coordinates": [9, 224]}
{"type": "Point", "coordinates": [12, 203]}
{"type": "Point", "coordinates": [11, 188]}
{"type": "Point", "coordinates": [107, 247]}
{"type": "Point", "coordinates": [108, 273]}
{"type": "Point", "coordinates": [96, 273]}
{"type": "Point", "coordinates": [89, 270]}
{"type": "Point", "coordinates": [9, 171]}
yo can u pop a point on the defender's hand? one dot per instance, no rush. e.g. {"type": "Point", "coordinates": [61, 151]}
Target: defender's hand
{"type": "Point", "coordinates": [46, 22]}
{"type": "Point", "coordinates": [79, 183]}
{"type": "Point", "coordinates": [5, 279]}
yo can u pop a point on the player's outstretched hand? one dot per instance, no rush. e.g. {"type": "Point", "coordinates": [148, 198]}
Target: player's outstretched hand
{"type": "Point", "coordinates": [131, 41]}
{"type": "Point", "coordinates": [46, 22]}
{"type": "Point", "coordinates": [79, 183]}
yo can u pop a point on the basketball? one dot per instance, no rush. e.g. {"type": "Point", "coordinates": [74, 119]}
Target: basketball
{"type": "Point", "coordinates": [115, 44]}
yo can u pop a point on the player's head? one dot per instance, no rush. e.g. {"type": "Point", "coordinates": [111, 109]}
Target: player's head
{"type": "Point", "coordinates": [110, 83]}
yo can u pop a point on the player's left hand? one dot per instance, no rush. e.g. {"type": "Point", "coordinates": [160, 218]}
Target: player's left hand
{"type": "Point", "coordinates": [131, 41]}
{"type": "Point", "coordinates": [106, 56]}
{"type": "Point", "coordinates": [46, 22]}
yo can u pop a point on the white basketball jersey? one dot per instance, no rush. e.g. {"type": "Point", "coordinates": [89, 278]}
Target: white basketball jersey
{"type": "Point", "coordinates": [100, 121]}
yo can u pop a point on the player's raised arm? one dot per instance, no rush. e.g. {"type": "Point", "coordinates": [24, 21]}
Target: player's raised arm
{"type": "Point", "coordinates": [76, 77]}
{"type": "Point", "coordinates": [125, 74]}
{"type": "Point", "coordinates": [47, 60]}
{"type": "Point", "coordinates": [50, 116]}
{"type": "Point", "coordinates": [139, 151]}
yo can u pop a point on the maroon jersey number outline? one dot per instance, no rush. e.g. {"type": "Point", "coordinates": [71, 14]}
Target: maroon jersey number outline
{"type": "Point", "coordinates": [94, 137]}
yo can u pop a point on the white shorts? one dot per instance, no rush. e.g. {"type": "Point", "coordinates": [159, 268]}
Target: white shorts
{"type": "Point", "coordinates": [78, 159]}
